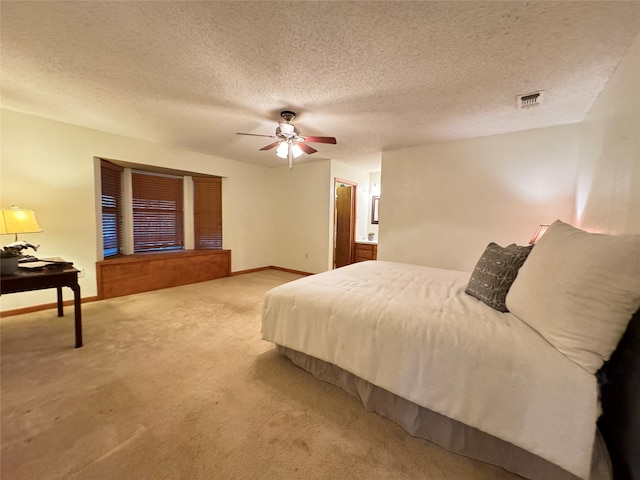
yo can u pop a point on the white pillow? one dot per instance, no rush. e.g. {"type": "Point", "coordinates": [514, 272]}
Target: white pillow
{"type": "Point", "coordinates": [579, 291]}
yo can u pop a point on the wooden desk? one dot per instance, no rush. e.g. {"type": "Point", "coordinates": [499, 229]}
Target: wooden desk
{"type": "Point", "coordinates": [58, 277]}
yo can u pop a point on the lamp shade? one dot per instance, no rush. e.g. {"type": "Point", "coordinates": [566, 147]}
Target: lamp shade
{"type": "Point", "coordinates": [18, 220]}
{"type": "Point", "coordinates": [539, 232]}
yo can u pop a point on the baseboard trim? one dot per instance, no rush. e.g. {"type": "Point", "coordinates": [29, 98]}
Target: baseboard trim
{"type": "Point", "coordinates": [298, 272]}
{"type": "Point", "coordinates": [271, 267]}
{"type": "Point", "coordinates": [47, 306]}
{"type": "Point", "coordinates": [250, 270]}
{"type": "Point", "coordinates": [44, 306]}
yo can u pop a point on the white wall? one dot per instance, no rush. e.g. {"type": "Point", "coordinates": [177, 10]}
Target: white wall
{"type": "Point", "coordinates": [442, 203]}
{"type": "Point", "coordinates": [608, 191]}
{"type": "Point", "coordinates": [49, 166]}
{"type": "Point", "coordinates": [301, 215]}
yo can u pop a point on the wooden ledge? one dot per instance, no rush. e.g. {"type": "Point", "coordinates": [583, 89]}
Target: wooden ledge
{"type": "Point", "coordinates": [144, 272]}
{"type": "Point", "coordinates": [150, 256]}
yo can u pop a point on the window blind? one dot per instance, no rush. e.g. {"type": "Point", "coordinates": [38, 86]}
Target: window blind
{"type": "Point", "coordinates": [207, 212]}
{"type": "Point", "coordinates": [111, 179]}
{"type": "Point", "coordinates": [157, 212]}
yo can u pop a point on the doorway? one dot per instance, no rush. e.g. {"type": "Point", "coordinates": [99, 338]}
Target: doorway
{"type": "Point", "coordinates": [344, 222]}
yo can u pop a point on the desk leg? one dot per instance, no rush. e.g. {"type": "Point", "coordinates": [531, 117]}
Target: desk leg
{"type": "Point", "coordinates": [60, 306]}
{"type": "Point", "coordinates": [77, 314]}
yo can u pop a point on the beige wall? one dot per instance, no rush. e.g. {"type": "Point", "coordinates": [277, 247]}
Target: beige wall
{"type": "Point", "coordinates": [608, 192]}
{"type": "Point", "coordinates": [304, 212]}
{"type": "Point", "coordinates": [442, 203]}
{"type": "Point", "coordinates": [49, 166]}
{"type": "Point", "coordinates": [301, 215]}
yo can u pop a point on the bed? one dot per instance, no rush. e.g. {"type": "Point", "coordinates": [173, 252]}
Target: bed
{"type": "Point", "coordinates": [446, 362]}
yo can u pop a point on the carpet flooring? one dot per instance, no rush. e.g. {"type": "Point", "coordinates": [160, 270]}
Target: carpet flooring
{"type": "Point", "coordinates": [177, 384]}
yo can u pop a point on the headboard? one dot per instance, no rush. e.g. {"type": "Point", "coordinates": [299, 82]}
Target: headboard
{"type": "Point", "coordinates": [620, 394]}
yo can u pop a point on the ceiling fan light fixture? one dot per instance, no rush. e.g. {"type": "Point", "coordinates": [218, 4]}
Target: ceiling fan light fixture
{"type": "Point", "coordinates": [289, 144]}
{"type": "Point", "coordinates": [296, 150]}
{"type": "Point", "coordinates": [283, 150]}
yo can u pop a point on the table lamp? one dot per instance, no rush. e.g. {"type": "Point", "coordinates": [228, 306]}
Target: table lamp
{"type": "Point", "coordinates": [539, 232]}
{"type": "Point", "coordinates": [16, 220]}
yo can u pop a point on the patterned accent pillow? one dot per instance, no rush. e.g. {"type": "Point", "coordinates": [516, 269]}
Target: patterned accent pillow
{"type": "Point", "coordinates": [494, 273]}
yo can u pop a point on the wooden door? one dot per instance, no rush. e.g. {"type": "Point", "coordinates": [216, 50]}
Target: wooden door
{"type": "Point", "coordinates": [344, 224]}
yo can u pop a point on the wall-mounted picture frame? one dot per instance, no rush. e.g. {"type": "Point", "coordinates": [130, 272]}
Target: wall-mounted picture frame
{"type": "Point", "coordinates": [375, 205]}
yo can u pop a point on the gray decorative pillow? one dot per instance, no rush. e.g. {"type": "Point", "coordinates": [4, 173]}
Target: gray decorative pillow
{"type": "Point", "coordinates": [494, 273]}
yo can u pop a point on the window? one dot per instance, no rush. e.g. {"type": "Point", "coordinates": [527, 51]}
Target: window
{"type": "Point", "coordinates": [207, 212]}
{"type": "Point", "coordinates": [111, 203]}
{"type": "Point", "coordinates": [158, 216]}
{"type": "Point", "coordinates": [150, 211]}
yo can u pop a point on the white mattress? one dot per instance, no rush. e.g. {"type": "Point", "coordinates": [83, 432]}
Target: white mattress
{"type": "Point", "coordinates": [414, 332]}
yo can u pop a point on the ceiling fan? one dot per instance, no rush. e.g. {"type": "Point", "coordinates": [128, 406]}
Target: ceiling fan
{"type": "Point", "coordinates": [289, 141]}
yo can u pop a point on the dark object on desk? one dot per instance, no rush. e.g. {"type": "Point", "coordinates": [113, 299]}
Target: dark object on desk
{"type": "Point", "coordinates": [8, 265]}
{"type": "Point", "coordinates": [37, 264]}
{"type": "Point", "coordinates": [25, 280]}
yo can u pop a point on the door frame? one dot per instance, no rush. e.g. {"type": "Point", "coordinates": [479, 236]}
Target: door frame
{"type": "Point", "coordinates": [352, 223]}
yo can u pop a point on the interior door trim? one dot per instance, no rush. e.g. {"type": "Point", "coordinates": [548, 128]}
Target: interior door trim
{"type": "Point", "coordinates": [352, 228]}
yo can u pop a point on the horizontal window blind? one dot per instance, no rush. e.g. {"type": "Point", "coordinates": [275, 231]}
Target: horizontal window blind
{"type": "Point", "coordinates": [157, 212]}
{"type": "Point", "coordinates": [111, 180]}
{"type": "Point", "coordinates": [207, 212]}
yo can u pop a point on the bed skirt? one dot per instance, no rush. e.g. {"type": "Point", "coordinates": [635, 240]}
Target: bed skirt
{"type": "Point", "coordinates": [445, 432]}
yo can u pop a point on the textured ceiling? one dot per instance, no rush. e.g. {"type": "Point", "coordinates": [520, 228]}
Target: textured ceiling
{"type": "Point", "coordinates": [376, 75]}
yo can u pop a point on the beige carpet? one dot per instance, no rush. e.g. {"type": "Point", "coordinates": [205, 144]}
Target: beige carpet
{"type": "Point", "coordinates": [177, 384]}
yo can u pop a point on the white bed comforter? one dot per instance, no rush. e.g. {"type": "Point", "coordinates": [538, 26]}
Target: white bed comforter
{"type": "Point", "coordinates": [414, 332]}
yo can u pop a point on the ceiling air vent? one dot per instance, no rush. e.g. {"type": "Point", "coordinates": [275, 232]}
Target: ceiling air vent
{"type": "Point", "coordinates": [530, 99]}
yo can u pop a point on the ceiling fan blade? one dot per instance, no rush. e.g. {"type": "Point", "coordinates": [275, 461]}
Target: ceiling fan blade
{"type": "Point", "coordinates": [256, 135]}
{"type": "Point", "coordinates": [307, 148]}
{"type": "Point", "coordinates": [271, 145]}
{"type": "Point", "coordinates": [320, 139]}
